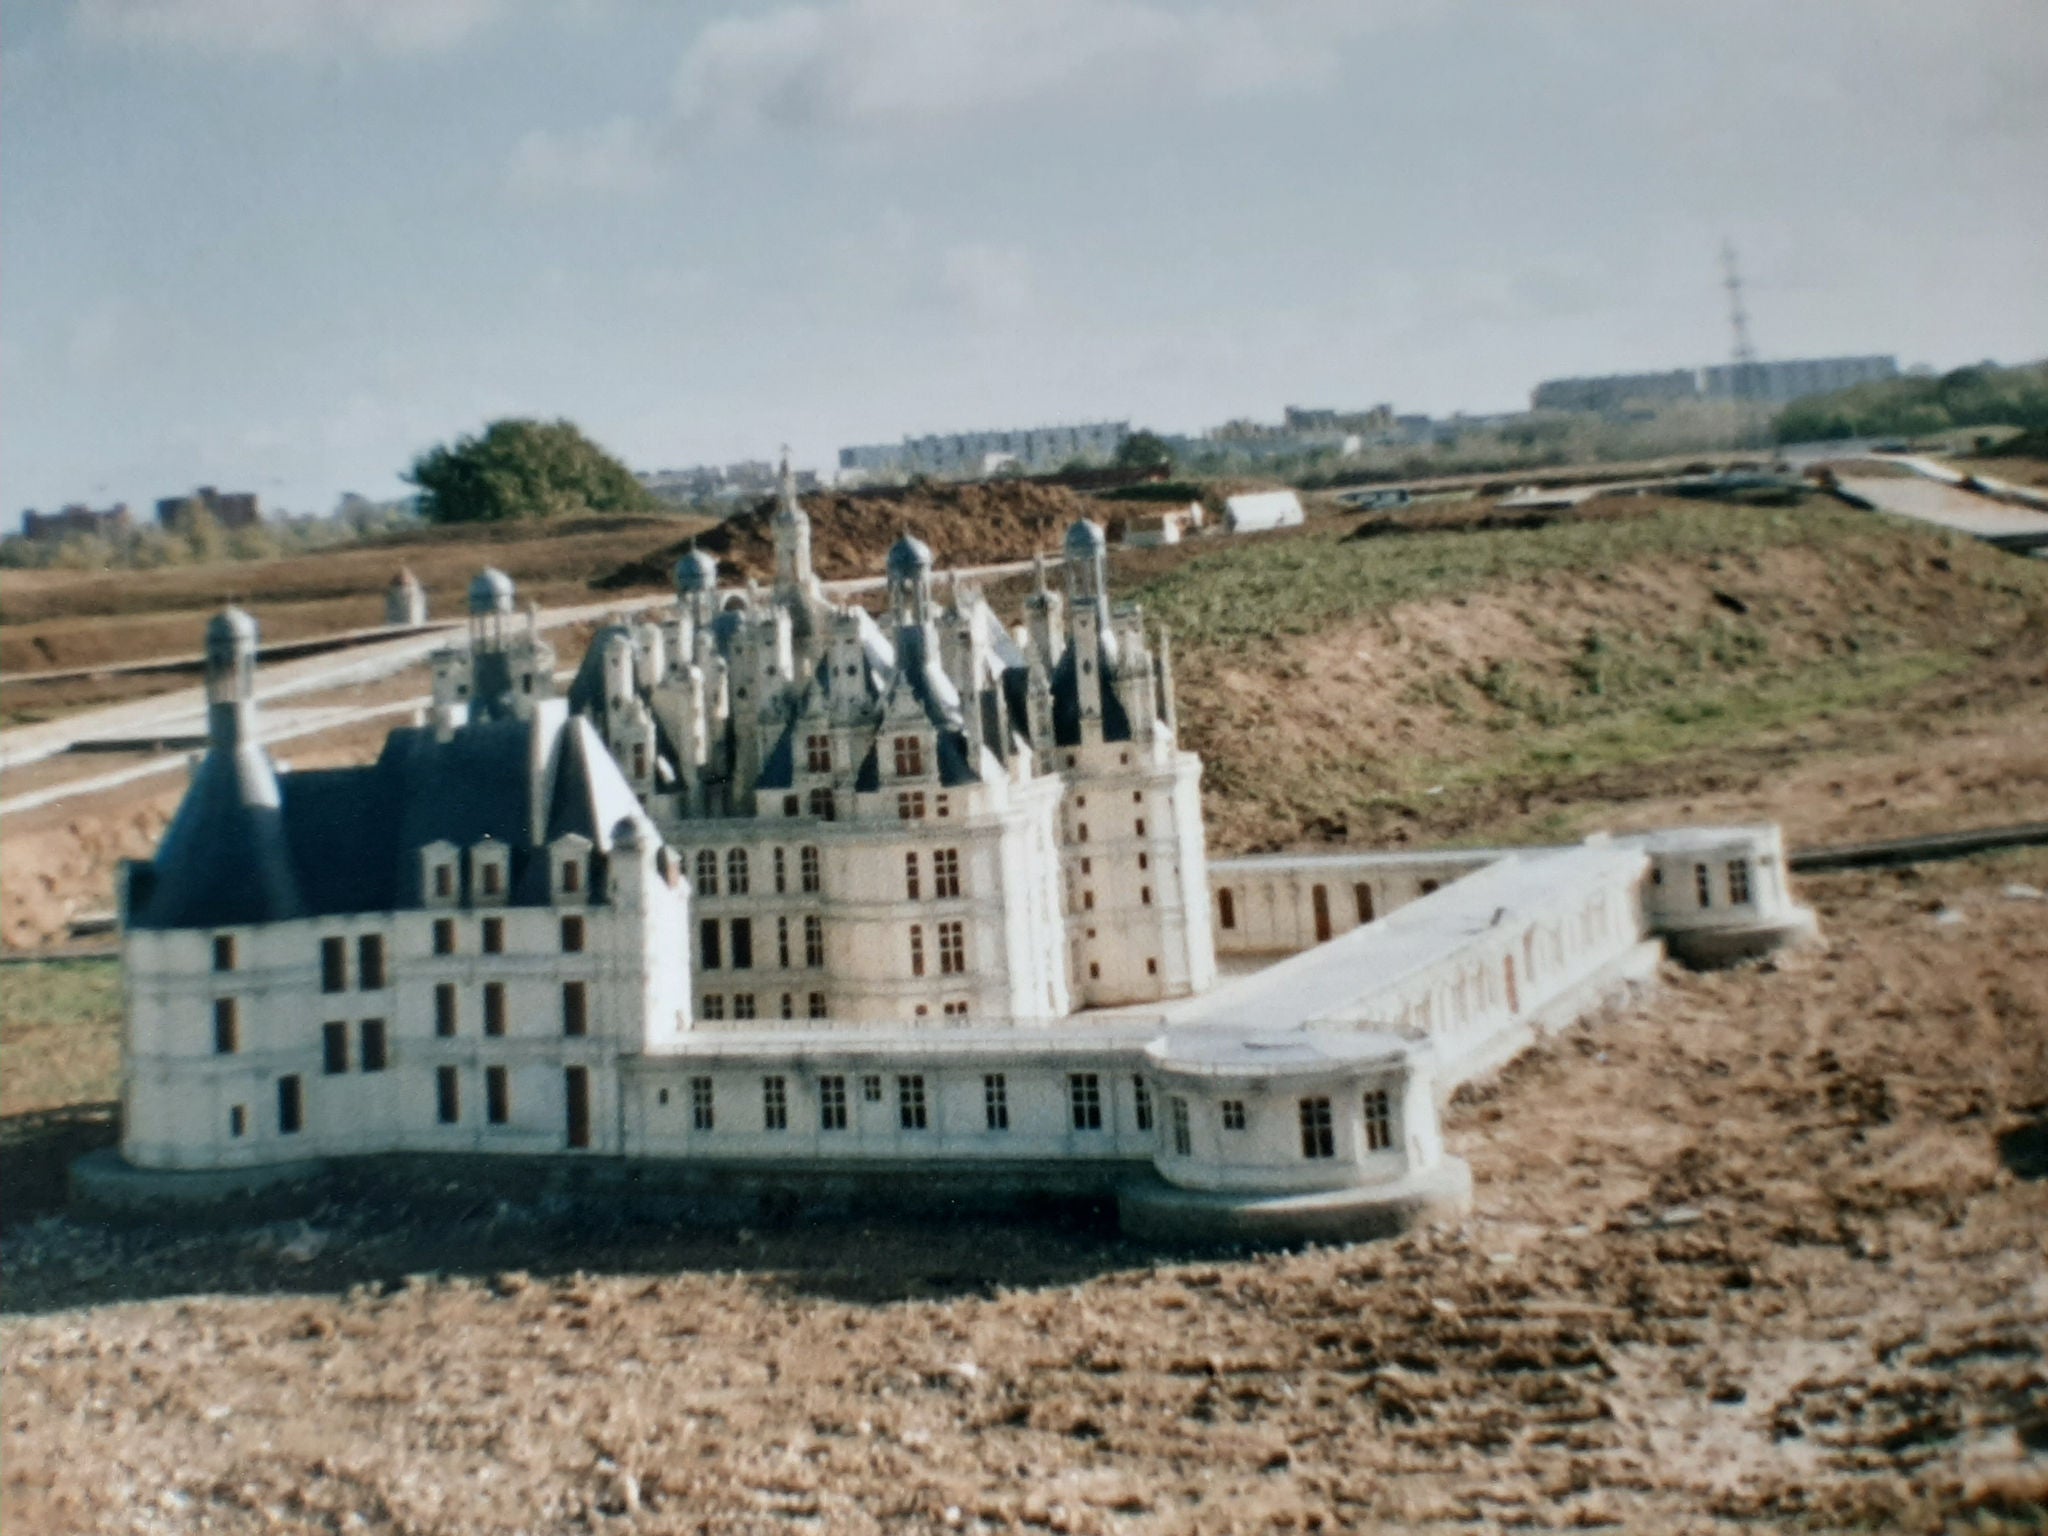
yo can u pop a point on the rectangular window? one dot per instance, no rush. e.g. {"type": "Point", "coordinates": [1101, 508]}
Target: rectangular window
{"type": "Point", "coordinates": [743, 943]}
{"type": "Point", "coordinates": [917, 949]}
{"type": "Point", "coordinates": [1362, 895]}
{"type": "Point", "coordinates": [871, 1087]}
{"type": "Point", "coordinates": [370, 962]}
{"type": "Point", "coordinates": [703, 1115]}
{"type": "Point", "coordinates": [946, 873]}
{"type": "Point", "coordinates": [494, 935]}
{"type": "Point", "coordinates": [910, 805]}
{"type": "Point", "coordinates": [910, 882]}
{"type": "Point", "coordinates": [1141, 1100]}
{"type": "Point", "coordinates": [910, 1110]}
{"type": "Point", "coordinates": [713, 1005]}
{"type": "Point", "coordinates": [227, 1027]}
{"type": "Point", "coordinates": [576, 1091]}
{"type": "Point", "coordinates": [375, 1053]}
{"type": "Point", "coordinates": [444, 935]}
{"type": "Point", "coordinates": [493, 879]}
{"type": "Point", "coordinates": [444, 880]}
{"type": "Point", "coordinates": [952, 948]}
{"type": "Point", "coordinates": [1084, 1098]}
{"type": "Point", "coordinates": [572, 877]}
{"type": "Point", "coordinates": [291, 1105]}
{"type": "Point", "coordinates": [444, 1009]}
{"type": "Point", "coordinates": [781, 871]}
{"type": "Point", "coordinates": [831, 1103]}
{"type": "Point", "coordinates": [821, 805]}
{"type": "Point", "coordinates": [447, 1096]}
{"type": "Point", "coordinates": [1738, 881]}
{"type": "Point", "coordinates": [816, 1008]}
{"type": "Point", "coordinates": [639, 759]}
{"type": "Point", "coordinates": [334, 965]}
{"type": "Point", "coordinates": [1141, 826]}
{"type": "Point", "coordinates": [334, 1049]}
{"type": "Point", "coordinates": [1226, 909]}
{"type": "Point", "coordinates": [818, 754]}
{"type": "Point", "coordinates": [707, 872]}
{"type": "Point", "coordinates": [738, 878]}
{"type": "Point", "coordinates": [782, 945]}
{"type": "Point", "coordinates": [743, 1005]}
{"type": "Point", "coordinates": [494, 1008]}
{"type": "Point", "coordinates": [1183, 1134]}
{"type": "Point", "coordinates": [1379, 1120]}
{"type": "Point", "coordinates": [572, 935]}
{"type": "Point", "coordinates": [814, 942]}
{"type": "Point", "coordinates": [708, 943]}
{"type": "Point", "coordinates": [1318, 1129]}
{"type": "Point", "coordinates": [774, 1104]}
{"type": "Point", "coordinates": [1145, 895]}
{"type": "Point", "coordinates": [1703, 883]}
{"type": "Point", "coordinates": [808, 871]}
{"type": "Point", "coordinates": [1233, 1114]}
{"type": "Point", "coordinates": [223, 952]}
{"type": "Point", "coordinates": [238, 1120]}
{"type": "Point", "coordinates": [909, 757]}
{"type": "Point", "coordinates": [497, 1095]}
{"type": "Point", "coordinates": [995, 1101]}
{"type": "Point", "coordinates": [575, 1008]}
{"type": "Point", "coordinates": [955, 1010]}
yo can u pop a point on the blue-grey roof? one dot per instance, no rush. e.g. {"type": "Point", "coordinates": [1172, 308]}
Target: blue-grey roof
{"type": "Point", "coordinates": [696, 571]}
{"type": "Point", "coordinates": [348, 840]}
{"type": "Point", "coordinates": [230, 628]}
{"type": "Point", "coordinates": [1086, 538]}
{"type": "Point", "coordinates": [490, 591]}
{"type": "Point", "coordinates": [910, 557]}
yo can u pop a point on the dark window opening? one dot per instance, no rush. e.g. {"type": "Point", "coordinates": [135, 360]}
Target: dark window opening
{"type": "Point", "coordinates": [291, 1106]}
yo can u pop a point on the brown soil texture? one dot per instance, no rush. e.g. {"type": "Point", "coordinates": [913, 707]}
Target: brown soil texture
{"type": "Point", "coordinates": [1768, 1249]}
{"type": "Point", "coordinates": [965, 525]}
{"type": "Point", "coordinates": [58, 619]}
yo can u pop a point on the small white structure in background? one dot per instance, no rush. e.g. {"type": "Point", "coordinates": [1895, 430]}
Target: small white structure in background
{"type": "Point", "coordinates": [1259, 511]}
{"type": "Point", "coordinates": [405, 601]}
{"type": "Point", "coordinates": [1151, 530]}
{"type": "Point", "coordinates": [783, 901]}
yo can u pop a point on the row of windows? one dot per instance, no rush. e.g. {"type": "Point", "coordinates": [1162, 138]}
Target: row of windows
{"type": "Point", "coordinates": [1739, 885]}
{"type": "Point", "coordinates": [952, 948]}
{"type": "Point", "coordinates": [1361, 901]}
{"type": "Point", "coordinates": [945, 865]}
{"type": "Point", "coordinates": [913, 1107]}
{"type": "Point", "coordinates": [907, 753]}
{"type": "Point", "coordinates": [291, 1100]}
{"type": "Point", "coordinates": [490, 876]}
{"type": "Point", "coordinates": [713, 950]}
{"type": "Point", "coordinates": [739, 878]}
{"type": "Point", "coordinates": [744, 1005]}
{"type": "Point", "coordinates": [1316, 1117]}
{"type": "Point", "coordinates": [575, 1021]}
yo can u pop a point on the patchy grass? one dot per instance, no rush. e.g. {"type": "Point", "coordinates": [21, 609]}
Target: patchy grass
{"type": "Point", "coordinates": [60, 1027]}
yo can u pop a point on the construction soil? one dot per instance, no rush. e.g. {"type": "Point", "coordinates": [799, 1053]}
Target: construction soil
{"type": "Point", "coordinates": [1768, 1249]}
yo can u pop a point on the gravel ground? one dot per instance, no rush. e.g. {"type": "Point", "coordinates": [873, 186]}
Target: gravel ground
{"type": "Point", "coordinates": [1770, 1249]}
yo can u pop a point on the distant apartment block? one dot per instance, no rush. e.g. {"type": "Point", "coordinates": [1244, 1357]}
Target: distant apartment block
{"type": "Point", "coordinates": [720, 482]}
{"type": "Point", "coordinates": [231, 509]}
{"type": "Point", "coordinates": [74, 520]}
{"type": "Point", "coordinates": [965, 455]}
{"type": "Point", "coordinates": [1763, 383]}
{"type": "Point", "coordinates": [1615, 391]}
{"type": "Point", "coordinates": [1781, 383]}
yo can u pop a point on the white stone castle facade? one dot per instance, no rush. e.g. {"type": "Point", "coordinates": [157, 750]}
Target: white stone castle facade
{"type": "Point", "coordinates": [780, 893]}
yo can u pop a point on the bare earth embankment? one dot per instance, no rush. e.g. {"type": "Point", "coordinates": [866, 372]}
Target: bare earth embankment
{"type": "Point", "coordinates": [1769, 1250]}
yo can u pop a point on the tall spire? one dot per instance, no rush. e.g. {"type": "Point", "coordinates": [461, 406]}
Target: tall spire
{"type": "Point", "coordinates": [792, 535]}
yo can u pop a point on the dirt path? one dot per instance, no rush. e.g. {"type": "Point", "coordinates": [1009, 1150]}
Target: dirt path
{"type": "Point", "coordinates": [1771, 1249]}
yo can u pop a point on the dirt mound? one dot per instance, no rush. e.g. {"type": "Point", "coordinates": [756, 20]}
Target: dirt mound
{"type": "Point", "coordinates": [850, 534]}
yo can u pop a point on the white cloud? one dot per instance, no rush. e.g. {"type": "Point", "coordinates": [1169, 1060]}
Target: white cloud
{"type": "Point", "coordinates": [611, 158]}
{"type": "Point", "coordinates": [287, 26]}
{"type": "Point", "coordinates": [987, 282]}
{"type": "Point", "coordinates": [881, 64]}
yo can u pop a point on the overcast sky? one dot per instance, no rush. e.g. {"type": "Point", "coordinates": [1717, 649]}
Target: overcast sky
{"type": "Point", "coordinates": [283, 245]}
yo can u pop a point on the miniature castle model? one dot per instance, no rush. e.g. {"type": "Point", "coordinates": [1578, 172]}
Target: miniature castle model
{"type": "Point", "coordinates": [780, 896]}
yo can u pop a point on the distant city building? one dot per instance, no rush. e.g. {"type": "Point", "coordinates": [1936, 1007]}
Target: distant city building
{"type": "Point", "coordinates": [965, 455]}
{"type": "Point", "coordinates": [1781, 383]}
{"type": "Point", "coordinates": [1764, 383]}
{"type": "Point", "coordinates": [231, 509]}
{"type": "Point", "coordinates": [720, 482]}
{"type": "Point", "coordinates": [1615, 391]}
{"type": "Point", "coordinates": [76, 519]}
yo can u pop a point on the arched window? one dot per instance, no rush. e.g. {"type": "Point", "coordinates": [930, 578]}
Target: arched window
{"type": "Point", "coordinates": [707, 872]}
{"type": "Point", "coordinates": [736, 872]}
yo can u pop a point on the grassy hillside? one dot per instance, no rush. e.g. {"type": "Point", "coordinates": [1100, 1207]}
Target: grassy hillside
{"type": "Point", "coordinates": [1480, 684]}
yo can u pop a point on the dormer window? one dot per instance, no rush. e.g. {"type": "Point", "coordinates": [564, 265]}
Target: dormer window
{"type": "Point", "coordinates": [909, 757]}
{"type": "Point", "coordinates": [444, 880]}
{"type": "Point", "coordinates": [571, 878]}
{"type": "Point", "coordinates": [493, 880]}
{"type": "Point", "coordinates": [818, 754]}
{"type": "Point", "coordinates": [224, 952]}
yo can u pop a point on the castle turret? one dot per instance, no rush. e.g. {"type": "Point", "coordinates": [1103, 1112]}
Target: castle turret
{"type": "Point", "coordinates": [231, 679]}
